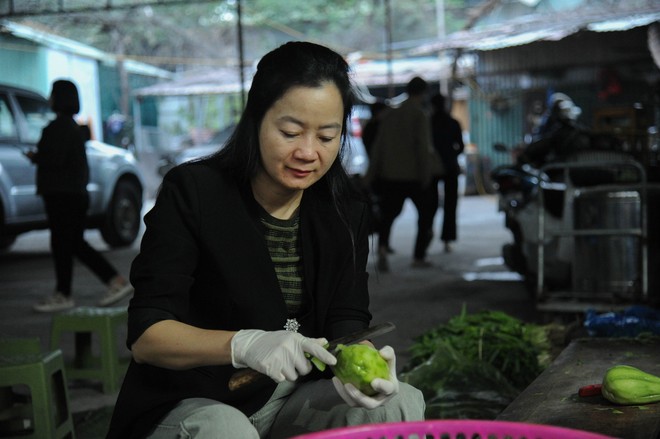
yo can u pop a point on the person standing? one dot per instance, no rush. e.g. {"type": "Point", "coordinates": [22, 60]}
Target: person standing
{"type": "Point", "coordinates": [448, 143]}
{"type": "Point", "coordinates": [402, 165]}
{"type": "Point", "coordinates": [378, 110]}
{"type": "Point", "coordinates": [253, 258]}
{"type": "Point", "coordinates": [62, 177]}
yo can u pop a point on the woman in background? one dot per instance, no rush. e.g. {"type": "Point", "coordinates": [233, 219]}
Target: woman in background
{"type": "Point", "coordinates": [62, 177]}
{"type": "Point", "coordinates": [448, 143]}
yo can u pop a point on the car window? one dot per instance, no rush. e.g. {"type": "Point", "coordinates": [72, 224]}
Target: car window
{"type": "Point", "coordinates": [7, 123]}
{"type": "Point", "coordinates": [37, 115]}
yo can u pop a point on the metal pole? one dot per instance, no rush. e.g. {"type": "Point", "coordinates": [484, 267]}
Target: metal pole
{"type": "Point", "coordinates": [388, 35]}
{"type": "Point", "coordinates": [241, 60]}
{"type": "Point", "coordinates": [442, 32]}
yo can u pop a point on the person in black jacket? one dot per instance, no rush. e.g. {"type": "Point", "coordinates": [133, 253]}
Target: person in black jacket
{"type": "Point", "coordinates": [62, 177]}
{"type": "Point", "coordinates": [448, 142]}
{"type": "Point", "coordinates": [254, 258]}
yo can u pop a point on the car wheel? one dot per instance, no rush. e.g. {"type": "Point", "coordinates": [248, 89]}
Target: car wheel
{"type": "Point", "coordinates": [123, 216]}
{"type": "Point", "coordinates": [6, 241]}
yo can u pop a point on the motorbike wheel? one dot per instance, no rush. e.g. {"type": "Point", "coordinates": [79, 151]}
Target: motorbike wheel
{"type": "Point", "coordinates": [513, 258]}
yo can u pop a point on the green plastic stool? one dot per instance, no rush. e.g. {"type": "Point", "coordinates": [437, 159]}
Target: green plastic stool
{"type": "Point", "coordinates": [83, 322]}
{"type": "Point", "coordinates": [47, 414]}
{"type": "Point", "coordinates": [15, 346]}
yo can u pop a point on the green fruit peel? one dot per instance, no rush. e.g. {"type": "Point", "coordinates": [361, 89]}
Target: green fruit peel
{"type": "Point", "coordinates": [320, 365]}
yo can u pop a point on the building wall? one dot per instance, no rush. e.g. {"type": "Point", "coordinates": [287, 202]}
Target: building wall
{"type": "Point", "coordinates": [84, 73]}
{"type": "Point", "coordinates": [32, 59]}
{"type": "Point", "coordinates": [110, 102]}
{"type": "Point", "coordinates": [597, 70]}
{"type": "Point", "coordinates": [22, 64]}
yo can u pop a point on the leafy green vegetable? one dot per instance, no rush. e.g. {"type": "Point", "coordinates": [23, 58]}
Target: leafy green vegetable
{"type": "Point", "coordinates": [511, 346]}
{"type": "Point", "coordinates": [455, 387]}
{"type": "Point", "coordinates": [476, 364]}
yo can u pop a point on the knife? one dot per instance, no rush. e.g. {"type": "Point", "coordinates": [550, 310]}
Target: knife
{"type": "Point", "coordinates": [248, 376]}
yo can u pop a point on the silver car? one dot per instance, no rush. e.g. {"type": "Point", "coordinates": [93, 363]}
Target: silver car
{"type": "Point", "coordinates": [355, 160]}
{"type": "Point", "coordinates": [115, 187]}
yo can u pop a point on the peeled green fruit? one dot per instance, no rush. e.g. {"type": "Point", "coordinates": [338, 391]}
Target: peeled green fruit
{"type": "Point", "coordinates": [359, 365]}
{"type": "Point", "coordinates": [629, 385]}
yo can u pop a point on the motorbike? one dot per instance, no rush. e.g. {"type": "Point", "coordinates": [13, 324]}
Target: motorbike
{"type": "Point", "coordinates": [537, 194]}
{"type": "Point", "coordinates": [518, 186]}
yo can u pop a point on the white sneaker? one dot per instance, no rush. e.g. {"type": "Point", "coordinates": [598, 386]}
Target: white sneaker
{"type": "Point", "coordinates": [56, 302]}
{"type": "Point", "coordinates": [115, 293]}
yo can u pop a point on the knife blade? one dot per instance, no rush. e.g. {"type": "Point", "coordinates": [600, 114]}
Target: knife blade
{"type": "Point", "coordinates": [248, 376]}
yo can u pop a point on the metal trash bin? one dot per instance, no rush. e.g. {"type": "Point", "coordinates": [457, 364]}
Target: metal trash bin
{"type": "Point", "coordinates": [608, 254]}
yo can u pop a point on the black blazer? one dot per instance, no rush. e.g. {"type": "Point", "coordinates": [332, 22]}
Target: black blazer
{"type": "Point", "coordinates": [61, 158]}
{"type": "Point", "coordinates": [203, 260]}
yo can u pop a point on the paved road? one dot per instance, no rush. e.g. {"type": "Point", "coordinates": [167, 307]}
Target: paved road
{"type": "Point", "coordinates": [414, 299]}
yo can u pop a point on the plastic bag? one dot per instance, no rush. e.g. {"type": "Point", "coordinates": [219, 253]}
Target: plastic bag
{"type": "Point", "coordinates": [630, 322]}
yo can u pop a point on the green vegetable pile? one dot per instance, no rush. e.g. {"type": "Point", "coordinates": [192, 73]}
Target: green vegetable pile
{"type": "Point", "coordinates": [476, 364]}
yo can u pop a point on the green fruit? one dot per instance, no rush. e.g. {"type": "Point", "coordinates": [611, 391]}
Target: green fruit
{"type": "Point", "coordinates": [629, 385]}
{"type": "Point", "coordinates": [359, 365]}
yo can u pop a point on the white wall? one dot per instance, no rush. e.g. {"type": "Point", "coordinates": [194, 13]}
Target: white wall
{"type": "Point", "coordinates": [84, 73]}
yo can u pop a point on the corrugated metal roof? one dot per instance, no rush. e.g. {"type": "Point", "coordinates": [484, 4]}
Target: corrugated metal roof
{"type": "Point", "coordinates": [543, 27]}
{"type": "Point", "coordinates": [366, 73]}
{"type": "Point", "coordinates": [209, 82]}
{"type": "Point", "coordinates": [56, 42]}
{"type": "Point", "coordinates": [376, 72]}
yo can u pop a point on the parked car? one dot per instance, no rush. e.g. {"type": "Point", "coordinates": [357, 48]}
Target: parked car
{"type": "Point", "coordinates": [115, 186]}
{"type": "Point", "coordinates": [355, 160]}
{"type": "Point", "coordinates": [186, 154]}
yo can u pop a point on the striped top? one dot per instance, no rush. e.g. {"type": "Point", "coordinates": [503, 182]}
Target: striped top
{"type": "Point", "coordinates": [285, 252]}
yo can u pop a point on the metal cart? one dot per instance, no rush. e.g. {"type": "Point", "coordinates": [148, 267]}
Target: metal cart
{"type": "Point", "coordinates": [606, 229]}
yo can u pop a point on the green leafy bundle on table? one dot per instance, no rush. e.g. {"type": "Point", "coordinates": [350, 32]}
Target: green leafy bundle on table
{"type": "Point", "coordinates": [476, 364]}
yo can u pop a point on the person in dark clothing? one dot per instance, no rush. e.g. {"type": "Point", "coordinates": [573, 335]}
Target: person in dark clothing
{"type": "Point", "coordinates": [253, 258]}
{"type": "Point", "coordinates": [378, 110]}
{"type": "Point", "coordinates": [402, 166]}
{"type": "Point", "coordinates": [558, 135]}
{"type": "Point", "coordinates": [448, 142]}
{"type": "Point", "coordinates": [62, 177]}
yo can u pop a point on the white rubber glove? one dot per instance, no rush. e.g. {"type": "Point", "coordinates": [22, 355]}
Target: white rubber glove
{"type": "Point", "coordinates": [278, 354]}
{"type": "Point", "coordinates": [386, 389]}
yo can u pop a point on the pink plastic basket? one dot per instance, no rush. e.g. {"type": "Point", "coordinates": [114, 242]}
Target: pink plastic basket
{"type": "Point", "coordinates": [453, 429]}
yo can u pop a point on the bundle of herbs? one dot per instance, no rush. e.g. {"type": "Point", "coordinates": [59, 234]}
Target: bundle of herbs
{"type": "Point", "coordinates": [476, 364]}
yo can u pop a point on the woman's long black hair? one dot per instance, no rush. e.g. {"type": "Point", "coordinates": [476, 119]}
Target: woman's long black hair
{"type": "Point", "coordinates": [290, 65]}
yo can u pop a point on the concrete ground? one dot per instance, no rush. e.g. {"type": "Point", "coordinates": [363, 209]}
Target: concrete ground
{"type": "Point", "coordinates": [416, 300]}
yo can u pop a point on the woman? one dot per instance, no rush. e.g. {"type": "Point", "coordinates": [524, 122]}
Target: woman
{"type": "Point", "coordinates": [263, 235]}
{"type": "Point", "coordinates": [62, 177]}
{"type": "Point", "coordinates": [448, 142]}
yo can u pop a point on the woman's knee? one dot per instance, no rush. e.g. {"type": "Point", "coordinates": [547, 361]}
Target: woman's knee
{"type": "Point", "coordinates": [202, 418]}
{"type": "Point", "coordinates": [215, 421]}
{"type": "Point", "coordinates": [409, 403]}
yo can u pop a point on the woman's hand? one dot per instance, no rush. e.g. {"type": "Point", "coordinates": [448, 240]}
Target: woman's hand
{"type": "Point", "coordinates": [278, 354]}
{"type": "Point", "coordinates": [30, 155]}
{"type": "Point", "coordinates": [386, 388]}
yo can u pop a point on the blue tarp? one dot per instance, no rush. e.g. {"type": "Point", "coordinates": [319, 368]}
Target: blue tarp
{"type": "Point", "coordinates": [630, 322]}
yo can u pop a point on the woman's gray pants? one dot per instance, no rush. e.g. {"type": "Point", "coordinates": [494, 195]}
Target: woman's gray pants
{"type": "Point", "coordinates": [293, 409]}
